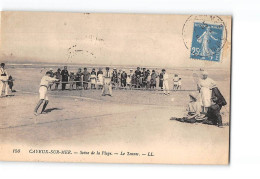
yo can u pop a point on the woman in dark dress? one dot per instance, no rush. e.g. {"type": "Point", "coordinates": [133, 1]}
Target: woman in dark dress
{"type": "Point", "coordinates": [161, 80]}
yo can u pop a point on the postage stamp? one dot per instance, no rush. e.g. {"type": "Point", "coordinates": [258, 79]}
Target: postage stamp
{"type": "Point", "coordinates": [206, 41]}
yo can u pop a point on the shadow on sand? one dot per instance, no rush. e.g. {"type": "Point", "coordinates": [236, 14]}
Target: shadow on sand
{"type": "Point", "coordinates": [51, 109]}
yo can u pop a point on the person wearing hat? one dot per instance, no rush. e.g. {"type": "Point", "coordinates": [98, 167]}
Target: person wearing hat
{"type": "Point", "coordinates": [123, 78]}
{"type": "Point", "coordinates": [3, 80]}
{"type": "Point", "coordinates": [64, 77]}
{"type": "Point", "coordinates": [107, 85]}
{"type": "Point", "coordinates": [205, 86]}
{"type": "Point", "coordinates": [193, 110]}
{"type": "Point", "coordinates": [57, 74]}
{"type": "Point", "coordinates": [165, 82]}
{"type": "Point", "coordinates": [44, 84]}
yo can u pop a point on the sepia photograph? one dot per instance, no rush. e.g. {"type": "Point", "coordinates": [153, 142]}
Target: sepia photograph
{"type": "Point", "coordinates": [115, 88]}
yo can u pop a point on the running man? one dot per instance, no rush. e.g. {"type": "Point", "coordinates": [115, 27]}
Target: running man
{"type": "Point", "coordinates": [45, 82]}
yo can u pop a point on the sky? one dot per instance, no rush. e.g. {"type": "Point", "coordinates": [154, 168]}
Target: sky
{"type": "Point", "coordinates": [109, 39]}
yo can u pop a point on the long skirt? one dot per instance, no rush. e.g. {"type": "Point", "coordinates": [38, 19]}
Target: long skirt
{"type": "Point", "coordinates": [161, 83]}
{"type": "Point", "coordinates": [205, 96]}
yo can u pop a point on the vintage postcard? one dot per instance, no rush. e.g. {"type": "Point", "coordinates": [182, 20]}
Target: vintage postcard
{"type": "Point", "coordinates": [115, 88]}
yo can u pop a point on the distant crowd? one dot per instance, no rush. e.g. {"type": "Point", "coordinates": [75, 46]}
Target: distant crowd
{"type": "Point", "coordinates": [140, 78]}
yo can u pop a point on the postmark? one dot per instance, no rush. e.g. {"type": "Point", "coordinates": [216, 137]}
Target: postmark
{"type": "Point", "coordinates": [204, 37]}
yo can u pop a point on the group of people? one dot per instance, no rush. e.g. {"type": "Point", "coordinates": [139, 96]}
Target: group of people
{"type": "Point", "coordinates": [138, 79]}
{"type": "Point", "coordinates": [206, 105]}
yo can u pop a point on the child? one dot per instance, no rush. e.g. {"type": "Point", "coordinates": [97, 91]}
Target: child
{"type": "Point", "coordinates": [175, 82]}
{"type": "Point", "coordinates": [71, 80]}
{"type": "Point", "coordinates": [45, 82]}
{"type": "Point", "coordinates": [179, 84]}
{"type": "Point", "coordinates": [11, 83]}
{"type": "Point", "coordinates": [193, 109]}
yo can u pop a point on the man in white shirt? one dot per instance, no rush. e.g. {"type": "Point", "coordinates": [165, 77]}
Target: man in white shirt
{"type": "Point", "coordinates": [107, 85]}
{"type": "Point", "coordinates": [45, 83]}
{"type": "Point", "coordinates": [3, 80]}
{"type": "Point", "coordinates": [165, 82]}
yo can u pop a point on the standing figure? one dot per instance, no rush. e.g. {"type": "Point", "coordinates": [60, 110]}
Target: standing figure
{"type": "Point", "coordinates": [72, 80]}
{"type": "Point", "coordinates": [142, 78]}
{"type": "Point", "coordinates": [93, 78]}
{"type": "Point", "coordinates": [3, 80]}
{"type": "Point", "coordinates": [78, 79]}
{"type": "Point", "coordinates": [100, 79]}
{"type": "Point", "coordinates": [131, 73]}
{"type": "Point", "coordinates": [133, 81]}
{"type": "Point", "coordinates": [138, 77]}
{"type": "Point", "coordinates": [114, 78]}
{"type": "Point", "coordinates": [64, 77]}
{"type": "Point", "coordinates": [123, 79]}
{"type": "Point", "coordinates": [148, 79]}
{"type": "Point", "coordinates": [153, 79]}
{"type": "Point", "coordinates": [165, 82]}
{"type": "Point", "coordinates": [107, 86]}
{"type": "Point", "coordinates": [205, 86]}
{"type": "Point", "coordinates": [161, 80]}
{"type": "Point", "coordinates": [45, 82]}
{"type": "Point", "coordinates": [57, 74]}
{"type": "Point", "coordinates": [175, 82]}
{"type": "Point", "coordinates": [119, 77]}
{"type": "Point", "coordinates": [179, 84]}
{"type": "Point", "coordinates": [86, 76]}
{"type": "Point", "coordinates": [128, 81]}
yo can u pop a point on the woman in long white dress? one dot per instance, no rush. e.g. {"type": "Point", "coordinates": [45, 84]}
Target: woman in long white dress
{"type": "Point", "coordinates": [205, 87]}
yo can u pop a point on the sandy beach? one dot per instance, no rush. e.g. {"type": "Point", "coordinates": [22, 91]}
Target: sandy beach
{"type": "Point", "coordinates": [133, 119]}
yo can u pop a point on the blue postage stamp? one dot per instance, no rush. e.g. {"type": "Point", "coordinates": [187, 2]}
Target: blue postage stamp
{"type": "Point", "coordinates": [207, 41]}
